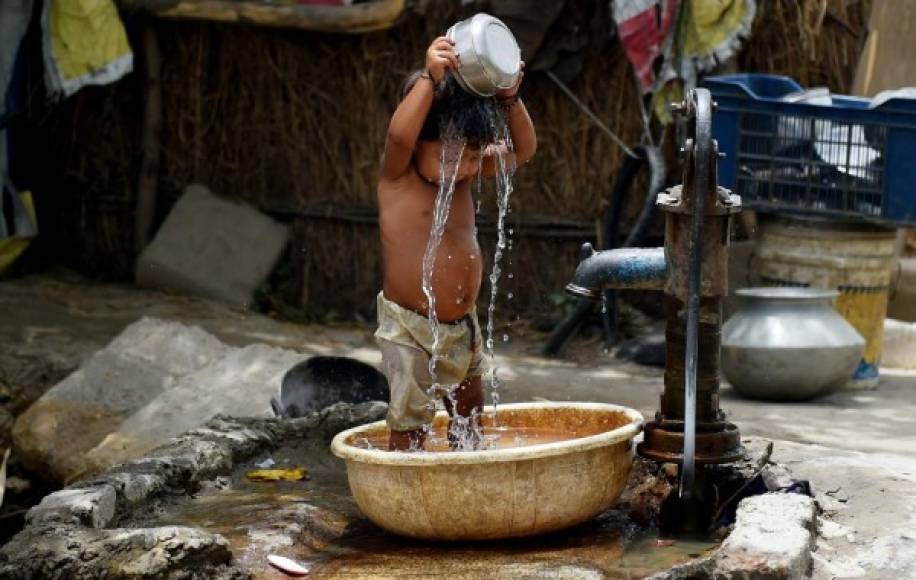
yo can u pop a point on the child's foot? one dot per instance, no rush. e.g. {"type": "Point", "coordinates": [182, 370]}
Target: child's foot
{"type": "Point", "coordinates": [465, 433]}
{"type": "Point", "coordinates": [412, 440]}
{"type": "Point", "coordinates": [464, 428]}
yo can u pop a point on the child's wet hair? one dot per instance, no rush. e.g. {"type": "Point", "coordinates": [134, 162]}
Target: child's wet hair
{"type": "Point", "coordinates": [474, 118]}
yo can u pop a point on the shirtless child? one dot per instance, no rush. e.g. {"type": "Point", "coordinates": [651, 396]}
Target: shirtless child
{"type": "Point", "coordinates": [407, 191]}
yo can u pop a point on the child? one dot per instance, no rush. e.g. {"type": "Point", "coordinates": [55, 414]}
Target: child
{"type": "Point", "coordinates": [407, 191]}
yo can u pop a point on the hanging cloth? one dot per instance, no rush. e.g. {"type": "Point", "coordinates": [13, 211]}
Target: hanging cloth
{"type": "Point", "coordinates": [712, 32]}
{"type": "Point", "coordinates": [17, 220]}
{"type": "Point", "coordinates": [84, 43]}
{"type": "Point", "coordinates": [643, 26]}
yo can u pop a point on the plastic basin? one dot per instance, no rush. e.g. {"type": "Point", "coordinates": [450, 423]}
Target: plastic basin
{"type": "Point", "coordinates": [498, 493]}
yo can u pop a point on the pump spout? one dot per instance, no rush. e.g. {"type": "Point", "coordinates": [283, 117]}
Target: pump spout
{"type": "Point", "coordinates": [622, 268]}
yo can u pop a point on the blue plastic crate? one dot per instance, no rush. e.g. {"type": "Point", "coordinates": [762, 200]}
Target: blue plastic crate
{"type": "Point", "coordinates": [845, 160]}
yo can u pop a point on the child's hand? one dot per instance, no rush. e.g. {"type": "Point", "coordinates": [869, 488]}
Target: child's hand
{"type": "Point", "coordinates": [441, 57]}
{"type": "Point", "coordinates": [510, 93]}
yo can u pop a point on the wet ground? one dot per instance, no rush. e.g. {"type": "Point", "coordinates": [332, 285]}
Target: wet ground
{"type": "Point", "coordinates": [316, 522]}
{"type": "Point", "coordinates": [856, 448]}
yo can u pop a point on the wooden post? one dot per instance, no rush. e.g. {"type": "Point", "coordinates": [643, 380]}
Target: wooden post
{"type": "Point", "coordinates": [148, 183]}
{"type": "Point", "coordinates": [349, 19]}
{"type": "Point", "coordinates": [885, 61]}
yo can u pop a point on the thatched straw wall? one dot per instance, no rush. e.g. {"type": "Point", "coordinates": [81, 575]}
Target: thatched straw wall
{"type": "Point", "coordinates": [292, 120]}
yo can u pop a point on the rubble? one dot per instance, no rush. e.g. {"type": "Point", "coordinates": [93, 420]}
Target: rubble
{"type": "Point", "coordinates": [75, 533]}
{"type": "Point", "coordinates": [155, 380]}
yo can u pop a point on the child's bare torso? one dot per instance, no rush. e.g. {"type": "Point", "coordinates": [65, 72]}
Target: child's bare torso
{"type": "Point", "coordinates": [405, 216]}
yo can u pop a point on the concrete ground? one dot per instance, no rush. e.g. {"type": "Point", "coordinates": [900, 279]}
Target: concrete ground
{"type": "Point", "coordinates": [860, 446]}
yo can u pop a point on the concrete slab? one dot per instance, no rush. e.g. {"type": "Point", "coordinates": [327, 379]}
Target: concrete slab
{"type": "Point", "coordinates": [212, 247]}
{"type": "Point", "coordinates": [773, 536]}
{"type": "Point", "coordinates": [155, 380]}
{"type": "Point", "coordinates": [899, 348]}
{"type": "Point", "coordinates": [238, 384]}
{"type": "Point", "coordinates": [868, 504]}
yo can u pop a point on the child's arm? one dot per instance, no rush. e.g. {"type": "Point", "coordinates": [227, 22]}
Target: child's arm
{"type": "Point", "coordinates": [521, 129]}
{"type": "Point", "coordinates": [408, 118]}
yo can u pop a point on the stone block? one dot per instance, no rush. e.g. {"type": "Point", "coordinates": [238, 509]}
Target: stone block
{"type": "Point", "coordinates": [773, 537]}
{"type": "Point", "coordinates": [212, 247]}
{"type": "Point", "coordinates": [173, 348]}
{"type": "Point", "coordinates": [93, 507]}
{"type": "Point", "coordinates": [240, 383]}
{"type": "Point", "coordinates": [170, 549]}
{"type": "Point", "coordinates": [66, 551]}
{"type": "Point", "coordinates": [157, 379]}
{"type": "Point", "coordinates": [55, 434]}
{"type": "Point", "coordinates": [135, 487]}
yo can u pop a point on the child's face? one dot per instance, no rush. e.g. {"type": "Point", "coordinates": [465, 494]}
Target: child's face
{"type": "Point", "coordinates": [428, 155]}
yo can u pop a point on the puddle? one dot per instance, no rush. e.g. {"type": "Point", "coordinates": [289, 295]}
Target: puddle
{"type": "Point", "coordinates": [317, 523]}
{"type": "Point", "coordinates": [609, 546]}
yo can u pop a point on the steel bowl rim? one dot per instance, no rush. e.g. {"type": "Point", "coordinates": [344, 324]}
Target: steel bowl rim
{"type": "Point", "coordinates": [477, 66]}
{"type": "Point", "coordinates": [483, 68]}
{"type": "Point", "coordinates": [342, 449]}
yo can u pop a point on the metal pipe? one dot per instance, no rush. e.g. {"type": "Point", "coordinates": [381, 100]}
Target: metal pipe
{"type": "Point", "coordinates": [622, 268]}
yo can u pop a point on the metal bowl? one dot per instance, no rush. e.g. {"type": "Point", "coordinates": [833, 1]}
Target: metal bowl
{"type": "Point", "coordinates": [490, 57]}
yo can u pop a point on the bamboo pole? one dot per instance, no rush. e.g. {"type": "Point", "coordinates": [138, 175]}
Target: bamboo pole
{"type": "Point", "coordinates": [353, 19]}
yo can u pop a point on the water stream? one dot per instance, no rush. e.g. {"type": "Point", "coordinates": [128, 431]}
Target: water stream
{"type": "Point", "coordinates": [504, 173]}
{"type": "Point", "coordinates": [452, 149]}
{"type": "Point", "coordinates": [449, 161]}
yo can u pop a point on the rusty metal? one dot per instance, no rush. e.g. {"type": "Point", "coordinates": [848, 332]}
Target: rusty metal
{"type": "Point", "coordinates": [716, 228]}
{"type": "Point", "coordinates": [689, 429]}
{"type": "Point", "coordinates": [693, 329]}
{"type": "Point", "coordinates": [716, 442]}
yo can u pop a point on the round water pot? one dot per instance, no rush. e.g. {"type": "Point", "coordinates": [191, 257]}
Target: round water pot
{"type": "Point", "coordinates": [788, 344]}
{"type": "Point", "coordinates": [854, 259]}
